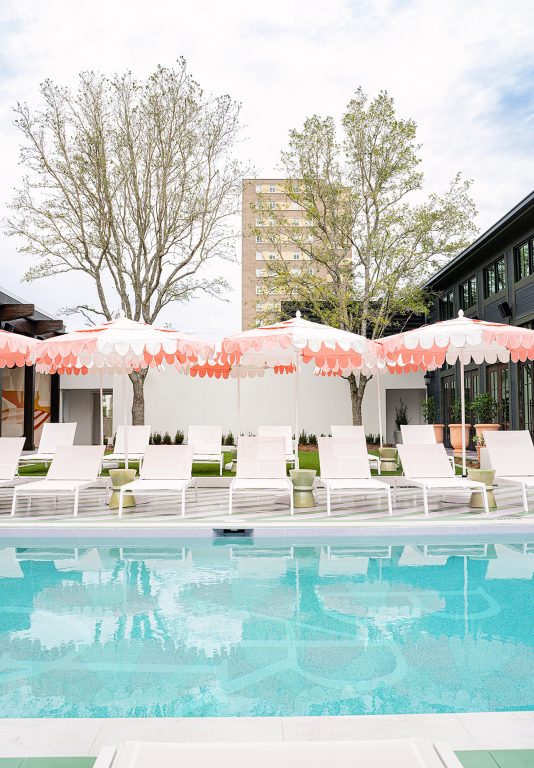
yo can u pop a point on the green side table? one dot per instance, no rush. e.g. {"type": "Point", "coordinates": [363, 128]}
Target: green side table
{"type": "Point", "coordinates": [486, 476]}
{"type": "Point", "coordinates": [388, 459]}
{"type": "Point", "coordinates": [302, 480]}
{"type": "Point", "coordinates": [121, 477]}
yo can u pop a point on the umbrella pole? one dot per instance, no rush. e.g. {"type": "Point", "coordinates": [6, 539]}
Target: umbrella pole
{"type": "Point", "coordinates": [125, 419]}
{"type": "Point", "coordinates": [462, 402]}
{"type": "Point", "coordinates": [101, 412]}
{"type": "Point", "coordinates": [379, 393]}
{"type": "Point", "coordinates": [297, 395]}
{"type": "Point", "coordinates": [238, 406]}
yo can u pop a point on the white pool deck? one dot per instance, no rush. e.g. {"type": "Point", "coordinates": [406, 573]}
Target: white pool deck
{"type": "Point", "coordinates": [69, 737]}
{"type": "Point", "coordinates": [266, 513]}
{"type": "Point", "coordinates": [268, 516]}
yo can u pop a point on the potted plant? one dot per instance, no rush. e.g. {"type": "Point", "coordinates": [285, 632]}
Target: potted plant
{"type": "Point", "coordinates": [428, 411]}
{"type": "Point", "coordinates": [455, 428]}
{"type": "Point", "coordinates": [401, 417]}
{"type": "Point", "coordinates": [484, 410]}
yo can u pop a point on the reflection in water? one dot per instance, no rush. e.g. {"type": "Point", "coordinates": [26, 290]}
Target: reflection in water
{"type": "Point", "coordinates": [240, 629]}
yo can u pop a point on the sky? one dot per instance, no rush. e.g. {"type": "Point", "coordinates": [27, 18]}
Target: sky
{"type": "Point", "coordinates": [463, 70]}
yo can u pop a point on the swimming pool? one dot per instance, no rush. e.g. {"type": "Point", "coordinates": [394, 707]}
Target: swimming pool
{"type": "Point", "coordinates": [237, 627]}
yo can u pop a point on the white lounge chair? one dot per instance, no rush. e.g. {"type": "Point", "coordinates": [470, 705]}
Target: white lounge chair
{"type": "Point", "coordinates": [261, 466]}
{"type": "Point", "coordinates": [138, 441]}
{"type": "Point", "coordinates": [380, 753]}
{"type": "Point", "coordinates": [428, 467]}
{"type": "Point", "coordinates": [420, 434]}
{"type": "Point", "coordinates": [10, 452]}
{"type": "Point", "coordinates": [166, 471]}
{"type": "Point", "coordinates": [511, 455]}
{"type": "Point", "coordinates": [207, 445]}
{"type": "Point", "coordinates": [287, 433]}
{"type": "Point", "coordinates": [73, 469]}
{"type": "Point", "coordinates": [345, 469]}
{"type": "Point", "coordinates": [346, 430]}
{"type": "Point", "coordinates": [52, 436]}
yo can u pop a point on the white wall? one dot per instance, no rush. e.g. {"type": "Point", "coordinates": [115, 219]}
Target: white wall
{"type": "Point", "coordinates": [173, 401]}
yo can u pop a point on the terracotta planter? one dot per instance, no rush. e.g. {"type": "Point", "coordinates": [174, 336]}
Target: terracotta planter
{"type": "Point", "coordinates": [481, 428]}
{"type": "Point", "coordinates": [456, 437]}
{"type": "Point", "coordinates": [438, 431]}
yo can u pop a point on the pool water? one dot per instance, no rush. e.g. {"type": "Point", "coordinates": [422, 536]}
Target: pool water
{"type": "Point", "coordinates": [237, 627]}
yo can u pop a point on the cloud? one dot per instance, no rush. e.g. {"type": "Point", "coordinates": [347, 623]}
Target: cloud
{"type": "Point", "coordinates": [463, 71]}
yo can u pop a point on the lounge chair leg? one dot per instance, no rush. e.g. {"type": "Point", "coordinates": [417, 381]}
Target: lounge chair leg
{"type": "Point", "coordinates": [390, 505]}
{"type": "Point", "coordinates": [378, 467]}
{"type": "Point", "coordinates": [76, 501]}
{"type": "Point", "coordinates": [485, 497]}
{"type": "Point", "coordinates": [425, 500]}
{"type": "Point", "coordinates": [183, 502]}
{"type": "Point", "coordinates": [327, 499]}
{"type": "Point", "coordinates": [524, 495]}
{"type": "Point", "coordinates": [14, 504]}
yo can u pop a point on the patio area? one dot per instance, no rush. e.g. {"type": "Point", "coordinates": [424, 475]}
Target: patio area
{"type": "Point", "coordinates": [265, 512]}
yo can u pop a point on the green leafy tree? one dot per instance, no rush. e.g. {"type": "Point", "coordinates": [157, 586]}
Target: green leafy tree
{"type": "Point", "coordinates": [132, 184]}
{"type": "Point", "coordinates": [366, 234]}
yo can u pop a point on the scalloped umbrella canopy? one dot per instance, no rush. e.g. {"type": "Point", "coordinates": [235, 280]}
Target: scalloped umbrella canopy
{"type": "Point", "coordinates": [119, 346]}
{"type": "Point", "coordinates": [460, 339]}
{"type": "Point", "coordinates": [330, 349]}
{"type": "Point", "coordinates": [16, 350]}
{"type": "Point", "coordinates": [216, 369]}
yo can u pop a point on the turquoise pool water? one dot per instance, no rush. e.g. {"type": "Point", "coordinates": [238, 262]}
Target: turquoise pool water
{"type": "Point", "coordinates": [233, 627]}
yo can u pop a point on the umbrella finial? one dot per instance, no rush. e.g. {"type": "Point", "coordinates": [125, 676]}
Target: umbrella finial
{"type": "Point", "coordinates": [298, 314]}
{"type": "Point", "coordinates": [460, 313]}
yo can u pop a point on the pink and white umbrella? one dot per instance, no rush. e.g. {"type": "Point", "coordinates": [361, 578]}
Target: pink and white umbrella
{"type": "Point", "coordinates": [119, 347]}
{"type": "Point", "coordinates": [460, 339]}
{"type": "Point", "coordinates": [15, 350]}
{"type": "Point", "coordinates": [285, 345]}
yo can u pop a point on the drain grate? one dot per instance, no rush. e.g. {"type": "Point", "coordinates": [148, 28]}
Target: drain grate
{"type": "Point", "coordinates": [233, 531]}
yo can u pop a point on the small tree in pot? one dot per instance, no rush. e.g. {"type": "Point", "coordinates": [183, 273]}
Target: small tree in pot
{"type": "Point", "coordinates": [401, 417]}
{"type": "Point", "coordinates": [428, 411]}
{"type": "Point", "coordinates": [484, 411]}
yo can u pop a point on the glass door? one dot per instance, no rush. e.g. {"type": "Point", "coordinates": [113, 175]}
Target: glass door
{"type": "Point", "coordinates": [448, 395]}
{"type": "Point", "coordinates": [498, 386]}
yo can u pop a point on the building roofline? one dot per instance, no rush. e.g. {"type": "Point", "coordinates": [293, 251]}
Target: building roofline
{"type": "Point", "coordinates": [19, 300]}
{"type": "Point", "coordinates": [485, 237]}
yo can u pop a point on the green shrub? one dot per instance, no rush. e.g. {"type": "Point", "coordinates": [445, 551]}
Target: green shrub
{"type": "Point", "coordinates": [156, 438]}
{"type": "Point", "coordinates": [166, 440]}
{"type": "Point", "coordinates": [484, 409]}
{"type": "Point", "coordinates": [428, 410]}
{"type": "Point", "coordinates": [228, 439]}
{"type": "Point", "coordinates": [455, 412]}
{"type": "Point", "coordinates": [179, 437]}
{"type": "Point", "coordinates": [401, 414]}
{"type": "Point", "coordinates": [303, 438]}
{"type": "Point", "coordinates": [312, 439]}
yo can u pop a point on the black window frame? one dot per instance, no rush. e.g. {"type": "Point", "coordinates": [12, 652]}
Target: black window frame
{"type": "Point", "coordinates": [492, 272]}
{"type": "Point", "coordinates": [446, 306]}
{"type": "Point", "coordinates": [530, 256]}
{"type": "Point", "coordinates": [471, 299]}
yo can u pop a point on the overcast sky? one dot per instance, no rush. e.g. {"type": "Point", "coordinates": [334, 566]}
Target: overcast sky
{"type": "Point", "coordinates": [464, 70]}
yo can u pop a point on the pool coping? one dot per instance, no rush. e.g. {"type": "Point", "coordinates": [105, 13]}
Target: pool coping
{"type": "Point", "coordinates": [85, 736]}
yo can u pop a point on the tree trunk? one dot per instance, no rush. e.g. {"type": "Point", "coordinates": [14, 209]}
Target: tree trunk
{"type": "Point", "coordinates": [357, 389]}
{"type": "Point", "coordinates": [138, 403]}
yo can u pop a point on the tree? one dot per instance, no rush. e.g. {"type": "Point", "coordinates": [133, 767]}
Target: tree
{"type": "Point", "coordinates": [134, 185]}
{"type": "Point", "coordinates": [356, 219]}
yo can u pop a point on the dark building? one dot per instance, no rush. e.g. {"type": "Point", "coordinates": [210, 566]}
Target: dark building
{"type": "Point", "coordinates": [29, 399]}
{"type": "Point", "coordinates": [492, 279]}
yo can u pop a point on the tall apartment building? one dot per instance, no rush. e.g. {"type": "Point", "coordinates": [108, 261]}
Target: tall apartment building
{"type": "Point", "coordinates": [258, 196]}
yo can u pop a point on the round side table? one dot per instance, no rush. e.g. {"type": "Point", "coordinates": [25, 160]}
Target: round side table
{"type": "Point", "coordinates": [121, 477]}
{"type": "Point", "coordinates": [486, 476]}
{"type": "Point", "coordinates": [302, 480]}
{"type": "Point", "coordinates": [388, 459]}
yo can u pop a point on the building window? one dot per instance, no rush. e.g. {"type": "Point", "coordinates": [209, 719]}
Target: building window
{"type": "Point", "coordinates": [446, 306]}
{"type": "Point", "coordinates": [524, 260]}
{"type": "Point", "coordinates": [498, 386]}
{"type": "Point", "coordinates": [272, 256]}
{"type": "Point", "coordinates": [296, 257]}
{"type": "Point", "coordinates": [272, 205]}
{"type": "Point", "coordinates": [295, 222]}
{"type": "Point", "coordinates": [259, 222]}
{"type": "Point", "coordinates": [260, 273]}
{"type": "Point", "coordinates": [272, 188]}
{"type": "Point", "coordinates": [495, 277]}
{"type": "Point", "coordinates": [258, 239]}
{"type": "Point", "coordinates": [259, 256]}
{"type": "Point", "coordinates": [295, 270]}
{"type": "Point", "coordinates": [259, 188]}
{"type": "Point", "coordinates": [468, 293]}
{"type": "Point", "coordinates": [259, 290]}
